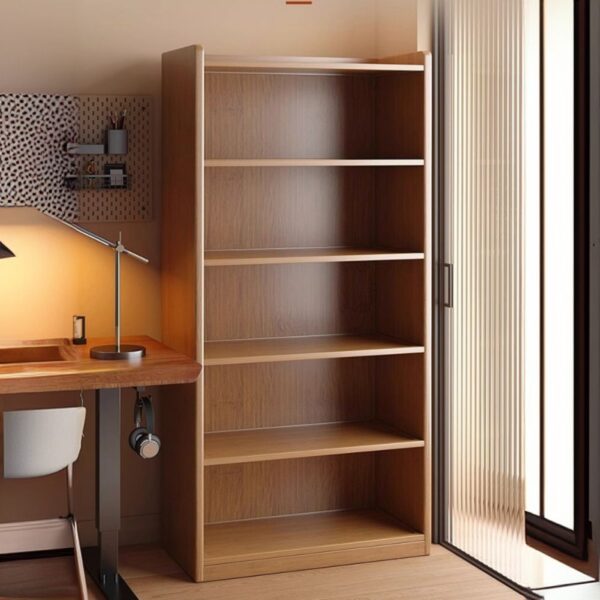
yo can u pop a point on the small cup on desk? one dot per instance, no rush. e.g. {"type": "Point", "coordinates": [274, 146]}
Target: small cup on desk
{"type": "Point", "coordinates": [116, 141]}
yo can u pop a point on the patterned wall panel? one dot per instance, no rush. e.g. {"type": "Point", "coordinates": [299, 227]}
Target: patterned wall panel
{"type": "Point", "coordinates": [33, 162]}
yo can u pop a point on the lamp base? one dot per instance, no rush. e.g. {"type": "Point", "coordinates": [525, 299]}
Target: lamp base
{"type": "Point", "coordinates": [110, 352]}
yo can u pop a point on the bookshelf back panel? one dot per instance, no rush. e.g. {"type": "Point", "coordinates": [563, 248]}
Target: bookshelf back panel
{"type": "Point", "coordinates": [297, 207]}
{"type": "Point", "coordinates": [268, 115]}
{"type": "Point", "coordinates": [283, 487]}
{"type": "Point", "coordinates": [401, 486]}
{"type": "Point", "coordinates": [399, 390]}
{"type": "Point", "coordinates": [400, 297]}
{"type": "Point", "coordinates": [289, 300]}
{"type": "Point", "coordinates": [265, 301]}
{"type": "Point", "coordinates": [281, 116]}
{"type": "Point", "coordinates": [400, 115]}
{"type": "Point", "coordinates": [399, 209]}
{"type": "Point", "coordinates": [288, 393]}
{"type": "Point", "coordinates": [392, 481]}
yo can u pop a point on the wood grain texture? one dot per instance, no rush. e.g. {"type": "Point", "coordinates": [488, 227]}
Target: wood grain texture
{"type": "Point", "coordinates": [399, 391]}
{"type": "Point", "coordinates": [181, 196]}
{"type": "Point", "coordinates": [274, 301]}
{"type": "Point", "coordinates": [303, 348]}
{"type": "Point", "coordinates": [311, 64]}
{"type": "Point", "coordinates": [402, 486]}
{"type": "Point", "coordinates": [288, 393]}
{"type": "Point", "coordinates": [293, 207]}
{"type": "Point", "coordinates": [23, 352]}
{"type": "Point", "coordinates": [308, 299]}
{"type": "Point", "coordinates": [287, 487]}
{"type": "Point", "coordinates": [407, 58]}
{"type": "Point", "coordinates": [389, 389]}
{"type": "Point", "coordinates": [312, 162]}
{"type": "Point", "coordinates": [253, 445]}
{"type": "Point", "coordinates": [265, 117]}
{"type": "Point", "coordinates": [313, 560]}
{"type": "Point", "coordinates": [301, 267]}
{"type": "Point", "coordinates": [182, 300]}
{"type": "Point", "coordinates": [409, 506]}
{"type": "Point", "coordinates": [223, 258]}
{"type": "Point", "coordinates": [77, 371]}
{"type": "Point", "coordinates": [400, 301]}
{"type": "Point", "coordinates": [399, 210]}
{"type": "Point", "coordinates": [400, 133]}
{"type": "Point", "coordinates": [428, 294]}
{"type": "Point", "coordinates": [153, 575]}
{"type": "Point", "coordinates": [303, 534]}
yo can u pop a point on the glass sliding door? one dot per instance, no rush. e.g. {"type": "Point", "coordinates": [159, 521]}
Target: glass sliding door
{"type": "Point", "coordinates": [484, 192]}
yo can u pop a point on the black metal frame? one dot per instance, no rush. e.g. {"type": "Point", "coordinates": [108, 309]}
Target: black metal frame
{"type": "Point", "coordinates": [102, 562]}
{"type": "Point", "coordinates": [438, 313]}
{"type": "Point", "coordinates": [572, 541]}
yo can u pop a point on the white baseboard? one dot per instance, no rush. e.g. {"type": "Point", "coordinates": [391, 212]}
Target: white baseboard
{"type": "Point", "coordinates": [31, 536]}
{"type": "Point", "coordinates": [53, 534]}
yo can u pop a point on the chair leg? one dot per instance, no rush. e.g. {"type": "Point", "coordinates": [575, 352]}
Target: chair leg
{"type": "Point", "coordinates": [70, 489]}
{"type": "Point", "coordinates": [76, 543]}
{"type": "Point", "coordinates": [78, 560]}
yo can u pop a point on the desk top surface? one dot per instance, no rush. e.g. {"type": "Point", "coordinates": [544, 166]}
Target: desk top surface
{"type": "Point", "coordinates": [72, 368]}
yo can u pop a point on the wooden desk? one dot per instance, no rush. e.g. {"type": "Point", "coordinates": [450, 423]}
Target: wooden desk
{"type": "Point", "coordinates": [73, 369]}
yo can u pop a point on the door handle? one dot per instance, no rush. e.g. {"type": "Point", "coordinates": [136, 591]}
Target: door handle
{"type": "Point", "coordinates": [448, 285]}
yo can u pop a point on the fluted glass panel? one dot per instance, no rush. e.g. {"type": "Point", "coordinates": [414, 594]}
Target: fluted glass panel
{"type": "Point", "coordinates": [487, 346]}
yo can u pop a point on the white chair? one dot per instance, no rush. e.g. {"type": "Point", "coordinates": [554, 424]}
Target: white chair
{"type": "Point", "coordinates": [38, 443]}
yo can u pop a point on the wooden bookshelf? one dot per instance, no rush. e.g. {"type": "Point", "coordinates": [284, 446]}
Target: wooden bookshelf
{"type": "Point", "coordinates": [296, 269]}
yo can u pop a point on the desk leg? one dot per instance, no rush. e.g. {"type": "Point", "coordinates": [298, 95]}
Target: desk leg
{"type": "Point", "coordinates": [102, 563]}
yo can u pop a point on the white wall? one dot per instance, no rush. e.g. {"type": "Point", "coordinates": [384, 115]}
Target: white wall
{"type": "Point", "coordinates": [403, 26]}
{"type": "Point", "coordinates": [111, 46]}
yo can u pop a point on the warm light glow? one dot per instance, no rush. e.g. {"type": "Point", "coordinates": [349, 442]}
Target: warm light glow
{"type": "Point", "coordinates": [58, 273]}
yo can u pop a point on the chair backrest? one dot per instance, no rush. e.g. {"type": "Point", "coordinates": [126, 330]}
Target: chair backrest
{"type": "Point", "coordinates": [41, 442]}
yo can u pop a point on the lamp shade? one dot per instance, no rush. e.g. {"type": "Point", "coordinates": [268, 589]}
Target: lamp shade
{"type": "Point", "coordinates": [5, 252]}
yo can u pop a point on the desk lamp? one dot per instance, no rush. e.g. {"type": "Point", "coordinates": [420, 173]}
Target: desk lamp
{"type": "Point", "coordinates": [116, 351]}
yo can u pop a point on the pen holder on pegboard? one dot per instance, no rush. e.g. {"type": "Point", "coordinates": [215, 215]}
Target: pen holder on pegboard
{"type": "Point", "coordinates": [116, 141]}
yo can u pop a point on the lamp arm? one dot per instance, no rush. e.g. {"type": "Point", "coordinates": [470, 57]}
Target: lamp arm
{"type": "Point", "coordinates": [139, 257]}
{"type": "Point", "coordinates": [117, 246]}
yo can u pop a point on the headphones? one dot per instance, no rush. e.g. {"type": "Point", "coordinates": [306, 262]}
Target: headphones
{"type": "Point", "coordinates": [143, 440]}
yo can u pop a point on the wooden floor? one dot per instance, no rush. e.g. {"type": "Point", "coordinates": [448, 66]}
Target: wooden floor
{"type": "Point", "coordinates": [152, 575]}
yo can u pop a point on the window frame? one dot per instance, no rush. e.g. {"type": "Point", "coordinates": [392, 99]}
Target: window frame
{"type": "Point", "coordinates": [572, 542]}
